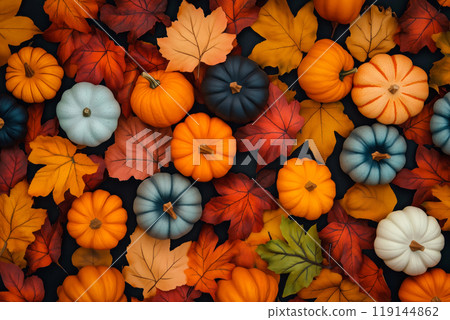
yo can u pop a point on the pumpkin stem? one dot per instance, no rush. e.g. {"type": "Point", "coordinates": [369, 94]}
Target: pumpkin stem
{"type": "Point", "coordinates": [204, 149]}
{"type": "Point", "coordinates": [2, 123]}
{"type": "Point", "coordinates": [380, 156]}
{"type": "Point", "coordinates": [344, 73]}
{"type": "Point", "coordinates": [310, 186]}
{"type": "Point", "coordinates": [335, 26]}
{"type": "Point", "coordinates": [95, 224]}
{"type": "Point", "coordinates": [28, 71]}
{"type": "Point", "coordinates": [415, 246]}
{"type": "Point", "coordinates": [86, 112]}
{"type": "Point", "coordinates": [167, 207]}
{"type": "Point", "coordinates": [394, 88]}
{"type": "Point", "coordinates": [235, 87]}
{"type": "Point", "coordinates": [436, 299]}
{"type": "Point", "coordinates": [153, 82]}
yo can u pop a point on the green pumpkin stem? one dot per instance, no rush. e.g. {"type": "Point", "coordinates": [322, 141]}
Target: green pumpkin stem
{"type": "Point", "coordinates": [153, 82]}
{"type": "Point", "coordinates": [2, 123]}
{"type": "Point", "coordinates": [235, 87]}
{"type": "Point", "coordinates": [436, 299]}
{"type": "Point", "coordinates": [28, 71]}
{"type": "Point", "coordinates": [95, 224]}
{"type": "Point", "coordinates": [86, 112]}
{"type": "Point", "coordinates": [344, 73]}
{"type": "Point", "coordinates": [377, 156]}
{"type": "Point", "coordinates": [394, 89]}
{"type": "Point", "coordinates": [415, 246]}
{"type": "Point", "coordinates": [310, 186]}
{"type": "Point", "coordinates": [204, 149]}
{"type": "Point", "coordinates": [168, 208]}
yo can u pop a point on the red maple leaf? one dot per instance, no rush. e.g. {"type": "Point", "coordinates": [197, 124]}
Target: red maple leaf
{"type": "Point", "coordinates": [92, 181]}
{"type": "Point", "coordinates": [179, 294]}
{"type": "Point", "coordinates": [372, 280]}
{"type": "Point", "coordinates": [13, 168]}
{"type": "Point", "coordinates": [19, 289]}
{"type": "Point", "coordinates": [35, 126]}
{"type": "Point", "coordinates": [240, 13]}
{"type": "Point", "coordinates": [419, 22]}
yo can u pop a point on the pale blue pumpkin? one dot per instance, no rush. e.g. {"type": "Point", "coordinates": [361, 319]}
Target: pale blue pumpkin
{"type": "Point", "coordinates": [440, 124]}
{"type": "Point", "coordinates": [373, 154]}
{"type": "Point", "coordinates": [166, 206]}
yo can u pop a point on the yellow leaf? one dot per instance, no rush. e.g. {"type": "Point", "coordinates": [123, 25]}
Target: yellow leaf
{"type": "Point", "coordinates": [153, 266]}
{"type": "Point", "coordinates": [372, 34]}
{"type": "Point", "coordinates": [289, 94]}
{"type": "Point", "coordinates": [286, 37]}
{"type": "Point", "coordinates": [64, 168]}
{"type": "Point", "coordinates": [369, 202]}
{"type": "Point", "coordinates": [440, 72]}
{"type": "Point", "coordinates": [194, 39]}
{"type": "Point", "coordinates": [18, 221]}
{"type": "Point", "coordinates": [321, 123]}
{"type": "Point", "coordinates": [271, 229]}
{"type": "Point", "coordinates": [440, 210]}
{"type": "Point", "coordinates": [83, 257]}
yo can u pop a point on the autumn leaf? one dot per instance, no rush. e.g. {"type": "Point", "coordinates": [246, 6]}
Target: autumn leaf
{"type": "Point", "coordinates": [13, 168]}
{"type": "Point", "coordinates": [195, 38]}
{"type": "Point", "coordinates": [83, 257]}
{"type": "Point", "coordinates": [288, 93]}
{"type": "Point", "coordinates": [372, 34]}
{"type": "Point", "coordinates": [152, 265]}
{"type": "Point", "coordinates": [286, 37]}
{"type": "Point", "coordinates": [92, 181]}
{"type": "Point", "coordinates": [445, 3]}
{"type": "Point", "coordinates": [440, 72]}
{"type": "Point", "coordinates": [440, 209]}
{"type": "Point", "coordinates": [240, 13]}
{"type": "Point", "coordinates": [64, 168]}
{"type": "Point", "coordinates": [419, 22]}
{"type": "Point", "coordinates": [35, 127]}
{"type": "Point", "coordinates": [180, 294]}
{"type": "Point", "coordinates": [372, 280]}
{"type": "Point", "coordinates": [20, 289]}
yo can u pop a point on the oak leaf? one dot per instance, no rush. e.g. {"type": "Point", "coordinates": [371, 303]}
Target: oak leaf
{"type": "Point", "coordinates": [83, 257]}
{"type": "Point", "coordinates": [36, 128]}
{"type": "Point", "coordinates": [179, 294]}
{"type": "Point", "coordinates": [240, 13]}
{"type": "Point", "coordinates": [440, 209]}
{"type": "Point", "coordinates": [372, 280]}
{"type": "Point", "coordinates": [440, 72]}
{"type": "Point", "coordinates": [20, 289]}
{"type": "Point", "coordinates": [13, 168]}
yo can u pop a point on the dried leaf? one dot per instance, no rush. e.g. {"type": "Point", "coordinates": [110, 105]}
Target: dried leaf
{"type": "Point", "coordinates": [13, 168]}
{"type": "Point", "coordinates": [372, 280]}
{"type": "Point", "coordinates": [288, 93]}
{"type": "Point", "coordinates": [240, 13]}
{"type": "Point", "coordinates": [180, 294]}
{"type": "Point", "coordinates": [92, 181]}
{"type": "Point", "coordinates": [440, 72]}
{"type": "Point", "coordinates": [440, 209]}
{"type": "Point", "coordinates": [83, 257]}
{"type": "Point", "coordinates": [20, 289]}
{"type": "Point", "coordinates": [35, 128]}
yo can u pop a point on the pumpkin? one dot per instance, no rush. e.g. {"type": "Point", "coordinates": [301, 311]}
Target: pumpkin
{"type": "Point", "coordinates": [390, 89]}
{"type": "Point", "coordinates": [203, 147]}
{"type": "Point", "coordinates": [33, 75]}
{"type": "Point", "coordinates": [167, 206]}
{"type": "Point", "coordinates": [305, 188]}
{"type": "Point", "coordinates": [432, 286]}
{"type": "Point", "coordinates": [373, 154]}
{"type": "Point", "coordinates": [236, 90]}
{"type": "Point", "coordinates": [13, 121]}
{"type": "Point", "coordinates": [326, 73]}
{"type": "Point", "coordinates": [97, 220]}
{"type": "Point", "coordinates": [440, 124]}
{"type": "Point", "coordinates": [93, 284]}
{"type": "Point", "coordinates": [161, 98]}
{"type": "Point", "coordinates": [88, 113]}
{"type": "Point", "coordinates": [410, 241]}
{"type": "Point", "coordinates": [342, 11]}
{"type": "Point", "coordinates": [247, 285]}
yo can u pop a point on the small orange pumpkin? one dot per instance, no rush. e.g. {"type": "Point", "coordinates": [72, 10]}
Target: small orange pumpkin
{"type": "Point", "coordinates": [390, 89]}
{"type": "Point", "coordinates": [203, 147]}
{"type": "Point", "coordinates": [97, 220]}
{"type": "Point", "coordinates": [161, 98]}
{"type": "Point", "coordinates": [342, 11]}
{"type": "Point", "coordinates": [33, 75]}
{"type": "Point", "coordinates": [432, 286]}
{"type": "Point", "coordinates": [326, 73]}
{"type": "Point", "coordinates": [93, 284]}
{"type": "Point", "coordinates": [247, 285]}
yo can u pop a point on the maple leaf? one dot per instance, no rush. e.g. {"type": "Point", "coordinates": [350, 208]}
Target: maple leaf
{"type": "Point", "coordinates": [440, 209]}
{"type": "Point", "coordinates": [269, 134]}
{"type": "Point", "coordinates": [92, 181]}
{"type": "Point", "coordinates": [152, 265]}
{"type": "Point", "coordinates": [240, 13]}
{"type": "Point", "coordinates": [64, 168]}
{"type": "Point", "coordinates": [372, 280]}
{"type": "Point", "coordinates": [13, 168]}
{"type": "Point", "coordinates": [286, 37]}
{"type": "Point", "coordinates": [180, 294]}
{"type": "Point", "coordinates": [346, 237]}
{"type": "Point", "coordinates": [419, 22]}
{"type": "Point", "coordinates": [288, 93]}
{"type": "Point", "coordinates": [35, 127]}
{"type": "Point", "coordinates": [195, 38]}
{"type": "Point", "coordinates": [20, 289]}
{"type": "Point", "coordinates": [83, 257]}
{"type": "Point", "coordinates": [432, 170]}
{"type": "Point", "coordinates": [440, 72]}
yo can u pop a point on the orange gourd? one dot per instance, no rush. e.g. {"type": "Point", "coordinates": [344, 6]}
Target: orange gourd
{"type": "Point", "coordinates": [326, 73]}
{"type": "Point", "coordinates": [247, 285]}
{"type": "Point", "coordinates": [340, 11]}
{"type": "Point", "coordinates": [33, 75]}
{"type": "Point", "coordinates": [161, 98]}
{"type": "Point", "coordinates": [203, 147]}
{"type": "Point", "coordinates": [97, 220]}
{"type": "Point", "coordinates": [432, 286]}
{"type": "Point", "coordinates": [390, 89]}
{"type": "Point", "coordinates": [93, 284]}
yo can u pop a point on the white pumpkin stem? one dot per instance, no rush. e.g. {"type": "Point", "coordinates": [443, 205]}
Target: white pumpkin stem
{"type": "Point", "coordinates": [28, 71]}
{"type": "Point", "coordinates": [235, 87]}
{"type": "Point", "coordinates": [310, 186]}
{"type": "Point", "coordinates": [2, 123]}
{"type": "Point", "coordinates": [168, 208]}
{"type": "Point", "coordinates": [153, 82]}
{"type": "Point", "coordinates": [415, 246]}
{"type": "Point", "coordinates": [394, 89]}
{"type": "Point", "coordinates": [95, 224]}
{"type": "Point", "coordinates": [204, 149]}
{"type": "Point", "coordinates": [436, 299]}
{"type": "Point", "coordinates": [86, 112]}
{"type": "Point", "coordinates": [377, 156]}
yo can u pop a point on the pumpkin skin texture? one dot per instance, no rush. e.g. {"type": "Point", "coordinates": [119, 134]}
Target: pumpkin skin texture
{"type": "Point", "coordinates": [342, 11]}
{"type": "Point", "coordinates": [191, 154]}
{"type": "Point", "coordinates": [164, 102]}
{"type": "Point", "coordinates": [13, 121]}
{"type": "Point", "coordinates": [109, 287]}
{"type": "Point", "coordinates": [440, 124]}
{"type": "Point", "coordinates": [88, 114]}
{"type": "Point", "coordinates": [432, 286]}
{"type": "Point", "coordinates": [166, 206]}
{"type": "Point", "coordinates": [326, 73]}
{"type": "Point", "coordinates": [247, 285]}
{"type": "Point", "coordinates": [97, 220]}
{"type": "Point", "coordinates": [390, 89]}
{"type": "Point", "coordinates": [236, 90]}
{"type": "Point", "coordinates": [33, 75]}
{"type": "Point", "coordinates": [373, 155]}
{"type": "Point", "coordinates": [305, 188]}
{"type": "Point", "coordinates": [410, 241]}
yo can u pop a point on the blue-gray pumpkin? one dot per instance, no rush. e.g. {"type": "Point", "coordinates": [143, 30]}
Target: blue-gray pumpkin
{"type": "Point", "coordinates": [13, 121]}
{"type": "Point", "coordinates": [236, 90]}
{"type": "Point", "coordinates": [440, 124]}
{"type": "Point", "coordinates": [167, 206]}
{"type": "Point", "coordinates": [373, 154]}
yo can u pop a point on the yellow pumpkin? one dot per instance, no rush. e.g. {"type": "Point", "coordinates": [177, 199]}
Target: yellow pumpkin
{"type": "Point", "coordinates": [340, 11]}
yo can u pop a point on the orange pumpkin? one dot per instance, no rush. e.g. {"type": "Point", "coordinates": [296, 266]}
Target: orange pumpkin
{"type": "Point", "coordinates": [390, 89]}
{"type": "Point", "coordinates": [326, 73]}
{"type": "Point", "coordinates": [203, 147]}
{"type": "Point", "coordinates": [432, 286]}
{"type": "Point", "coordinates": [342, 11]}
{"type": "Point", "coordinates": [247, 285]}
{"type": "Point", "coordinates": [161, 98]}
{"type": "Point", "coordinates": [33, 75]}
{"type": "Point", "coordinates": [93, 284]}
{"type": "Point", "coordinates": [97, 220]}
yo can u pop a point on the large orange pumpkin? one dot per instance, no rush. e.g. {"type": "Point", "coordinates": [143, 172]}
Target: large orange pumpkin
{"type": "Point", "coordinates": [390, 89]}
{"type": "Point", "coordinates": [340, 11]}
{"type": "Point", "coordinates": [326, 73]}
{"type": "Point", "coordinates": [432, 286]}
{"type": "Point", "coordinates": [161, 98]}
{"type": "Point", "coordinates": [203, 147]}
{"type": "Point", "coordinates": [93, 284]}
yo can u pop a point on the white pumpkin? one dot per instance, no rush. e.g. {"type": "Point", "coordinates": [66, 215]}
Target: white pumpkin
{"type": "Point", "coordinates": [88, 114]}
{"type": "Point", "coordinates": [410, 241]}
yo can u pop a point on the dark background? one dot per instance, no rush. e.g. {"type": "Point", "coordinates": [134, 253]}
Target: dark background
{"type": "Point", "coordinates": [53, 275]}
